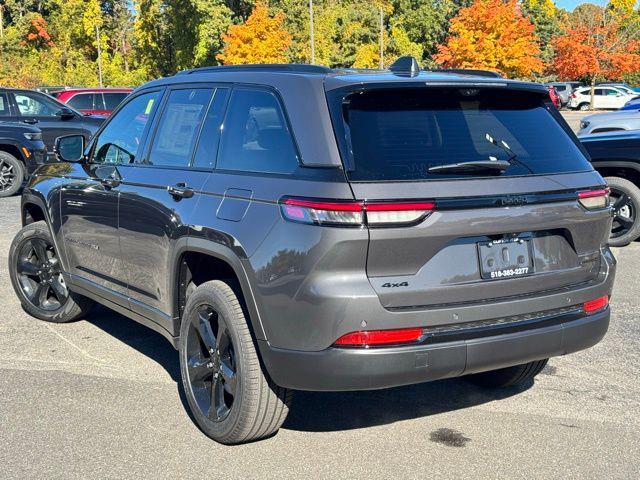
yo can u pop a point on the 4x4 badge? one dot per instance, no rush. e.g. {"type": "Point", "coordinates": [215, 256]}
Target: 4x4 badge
{"type": "Point", "coordinates": [395, 285]}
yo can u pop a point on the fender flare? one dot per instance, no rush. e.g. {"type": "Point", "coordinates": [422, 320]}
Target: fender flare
{"type": "Point", "coordinates": [14, 143]}
{"type": "Point", "coordinates": [34, 197]}
{"type": "Point", "coordinates": [226, 254]}
{"type": "Point", "coordinates": [616, 164]}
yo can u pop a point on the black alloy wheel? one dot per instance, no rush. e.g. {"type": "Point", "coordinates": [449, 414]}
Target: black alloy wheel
{"type": "Point", "coordinates": [7, 175]}
{"type": "Point", "coordinates": [624, 201]}
{"type": "Point", "coordinates": [39, 275]}
{"type": "Point", "coordinates": [624, 213]}
{"type": "Point", "coordinates": [211, 364]}
{"type": "Point", "coordinates": [12, 173]}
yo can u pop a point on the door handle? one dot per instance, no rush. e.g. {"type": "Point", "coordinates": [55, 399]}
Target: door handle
{"type": "Point", "coordinates": [180, 190]}
{"type": "Point", "coordinates": [30, 121]}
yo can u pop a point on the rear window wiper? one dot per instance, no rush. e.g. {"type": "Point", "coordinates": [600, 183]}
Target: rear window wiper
{"type": "Point", "coordinates": [504, 146]}
{"type": "Point", "coordinates": [474, 166]}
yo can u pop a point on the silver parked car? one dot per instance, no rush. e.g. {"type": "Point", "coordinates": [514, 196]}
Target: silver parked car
{"type": "Point", "coordinates": [564, 90]}
{"type": "Point", "coordinates": [610, 122]}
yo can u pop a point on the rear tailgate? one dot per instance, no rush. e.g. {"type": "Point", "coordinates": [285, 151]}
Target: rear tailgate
{"type": "Point", "coordinates": [437, 262]}
{"type": "Point", "coordinates": [493, 234]}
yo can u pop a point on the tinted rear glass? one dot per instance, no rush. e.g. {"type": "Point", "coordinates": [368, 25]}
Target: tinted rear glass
{"type": "Point", "coordinates": [112, 100]}
{"type": "Point", "coordinates": [399, 134]}
{"type": "Point", "coordinates": [82, 101]}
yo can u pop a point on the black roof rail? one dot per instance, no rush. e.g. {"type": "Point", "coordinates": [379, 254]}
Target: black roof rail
{"type": "Point", "coordinates": [468, 71]}
{"type": "Point", "coordinates": [261, 67]}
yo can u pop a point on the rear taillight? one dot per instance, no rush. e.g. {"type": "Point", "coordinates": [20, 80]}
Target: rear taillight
{"type": "Point", "coordinates": [594, 199]}
{"type": "Point", "coordinates": [593, 306]}
{"type": "Point", "coordinates": [379, 214]}
{"type": "Point", "coordinates": [369, 338]}
{"type": "Point", "coordinates": [323, 213]}
{"type": "Point", "coordinates": [345, 214]}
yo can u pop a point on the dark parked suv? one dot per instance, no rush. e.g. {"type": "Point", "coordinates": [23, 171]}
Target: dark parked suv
{"type": "Point", "coordinates": [21, 152]}
{"type": "Point", "coordinates": [48, 114]}
{"type": "Point", "coordinates": [292, 227]}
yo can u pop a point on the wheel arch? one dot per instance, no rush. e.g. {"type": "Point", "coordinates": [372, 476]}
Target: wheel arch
{"type": "Point", "coordinates": [11, 147]}
{"type": "Point", "coordinates": [207, 253]}
{"type": "Point", "coordinates": [619, 168]}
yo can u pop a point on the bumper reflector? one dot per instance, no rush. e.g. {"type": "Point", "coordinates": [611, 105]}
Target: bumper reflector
{"type": "Point", "coordinates": [379, 337]}
{"type": "Point", "coordinates": [593, 306]}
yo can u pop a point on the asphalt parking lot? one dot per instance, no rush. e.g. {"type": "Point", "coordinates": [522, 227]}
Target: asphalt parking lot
{"type": "Point", "coordinates": [100, 398]}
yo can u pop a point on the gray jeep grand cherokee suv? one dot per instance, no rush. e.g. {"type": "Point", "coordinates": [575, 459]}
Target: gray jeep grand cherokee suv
{"type": "Point", "coordinates": [292, 227]}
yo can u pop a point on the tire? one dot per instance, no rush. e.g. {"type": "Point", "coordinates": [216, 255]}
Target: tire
{"type": "Point", "coordinates": [624, 194]}
{"type": "Point", "coordinates": [12, 173]}
{"type": "Point", "coordinates": [508, 377]}
{"type": "Point", "coordinates": [217, 354]}
{"type": "Point", "coordinates": [583, 107]}
{"type": "Point", "coordinates": [30, 277]}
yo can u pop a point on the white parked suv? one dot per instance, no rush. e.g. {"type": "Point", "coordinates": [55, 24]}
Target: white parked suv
{"type": "Point", "coordinates": [606, 98]}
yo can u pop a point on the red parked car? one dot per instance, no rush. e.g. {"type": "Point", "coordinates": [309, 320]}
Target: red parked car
{"type": "Point", "coordinates": [93, 101]}
{"type": "Point", "coordinates": [553, 94]}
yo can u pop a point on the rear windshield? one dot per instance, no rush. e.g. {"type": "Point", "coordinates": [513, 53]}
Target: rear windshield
{"type": "Point", "coordinates": [392, 135]}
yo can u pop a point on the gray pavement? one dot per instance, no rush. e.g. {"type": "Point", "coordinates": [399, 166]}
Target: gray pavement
{"type": "Point", "coordinates": [100, 398]}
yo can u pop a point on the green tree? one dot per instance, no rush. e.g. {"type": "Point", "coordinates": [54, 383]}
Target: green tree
{"type": "Point", "coordinates": [545, 17]}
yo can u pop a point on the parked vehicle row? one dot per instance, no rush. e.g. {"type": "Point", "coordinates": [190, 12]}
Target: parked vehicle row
{"type": "Point", "coordinates": [52, 117]}
{"type": "Point", "coordinates": [607, 95]}
{"type": "Point", "coordinates": [345, 230]}
{"type": "Point", "coordinates": [604, 97]}
{"type": "Point", "coordinates": [93, 101]}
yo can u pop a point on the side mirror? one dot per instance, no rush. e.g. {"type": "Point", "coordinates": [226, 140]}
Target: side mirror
{"type": "Point", "coordinates": [65, 113]}
{"type": "Point", "coordinates": [69, 148]}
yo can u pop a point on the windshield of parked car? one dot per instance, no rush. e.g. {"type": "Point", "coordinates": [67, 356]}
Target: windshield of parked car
{"type": "Point", "coordinates": [400, 134]}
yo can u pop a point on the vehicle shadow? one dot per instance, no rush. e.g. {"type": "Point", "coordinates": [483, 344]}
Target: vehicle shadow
{"type": "Point", "coordinates": [137, 336]}
{"type": "Point", "coordinates": [321, 411]}
{"type": "Point", "coordinates": [329, 411]}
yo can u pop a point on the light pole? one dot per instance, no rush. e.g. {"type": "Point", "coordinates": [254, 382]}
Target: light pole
{"type": "Point", "coordinates": [381, 37]}
{"type": "Point", "coordinates": [312, 35]}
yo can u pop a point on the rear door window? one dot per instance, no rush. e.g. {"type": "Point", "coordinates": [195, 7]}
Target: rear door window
{"type": "Point", "coordinates": [179, 126]}
{"type": "Point", "coordinates": [82, 101]}
{"type": "Point", "coordinates": [113, 99]}
{"type": "Point", "coordinates": [399, 134]}
{"type": "Point", "coordinates": [256, 135]}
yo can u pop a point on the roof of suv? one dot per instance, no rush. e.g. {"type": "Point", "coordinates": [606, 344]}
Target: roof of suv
{"type": "Point", "coordinates": [336, 78]}
{"type": "Point", "coordinates": [303, 92]}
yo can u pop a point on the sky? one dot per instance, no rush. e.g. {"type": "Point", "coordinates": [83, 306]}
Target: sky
{"type": "Point", "coordinates": [571, 4]}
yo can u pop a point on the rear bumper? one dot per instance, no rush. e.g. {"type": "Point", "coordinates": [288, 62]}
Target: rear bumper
{"type": "Point", "coordinates": [340, 369]}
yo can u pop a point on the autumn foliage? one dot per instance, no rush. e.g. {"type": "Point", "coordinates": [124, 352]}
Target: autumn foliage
{"type": "Point", "coordinates": [261, 39]}
{"type": "Point", "coordinates": [492, 35]}
{"type": "Point", "coordinates": [37, 35]}
{"type": "Point", "coordinates": [597, 47]}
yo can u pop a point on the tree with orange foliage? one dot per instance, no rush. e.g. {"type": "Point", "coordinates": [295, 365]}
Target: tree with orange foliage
{"type": "Point", "coordinates": [492, 35]}
{"type": "Point", "coordinates": [261, 39]}
{"type": "Point", "coordinates": [37, 35]}
{"type": "Point", "coordinates": [598, 44]}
